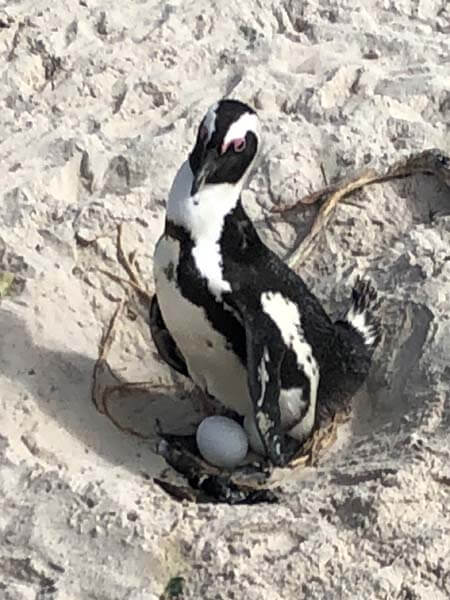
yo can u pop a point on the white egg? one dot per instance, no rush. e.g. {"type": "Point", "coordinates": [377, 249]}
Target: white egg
{"type": "Point", "coordinates": [254, 438]}
{"type": "Point", "coordinates": [222, 442]}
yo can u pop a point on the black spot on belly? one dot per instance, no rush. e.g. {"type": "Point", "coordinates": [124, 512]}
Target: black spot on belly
{"type": "Point", "coordinates": [291, 375]}
{"type": "Point", "coordinates": [169, 271]}
{"type": "Point", "coordinates": [194, 287]}
{"type": "Point", "coordinates": [209, 343]}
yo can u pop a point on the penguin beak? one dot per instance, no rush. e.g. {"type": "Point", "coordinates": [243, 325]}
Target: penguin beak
{"type": "Point", "coordinates": [208, 166]}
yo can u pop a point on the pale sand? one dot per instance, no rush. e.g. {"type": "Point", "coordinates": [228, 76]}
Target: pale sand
{"type": "Point", "coordinates": [80, 518]}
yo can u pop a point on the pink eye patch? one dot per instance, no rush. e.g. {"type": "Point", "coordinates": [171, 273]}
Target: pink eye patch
{"type": "Point", "coordinates": [238, 145]}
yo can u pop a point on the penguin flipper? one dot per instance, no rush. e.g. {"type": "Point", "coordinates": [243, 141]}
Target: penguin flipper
{"type": "Point", "coordinates": [164, 342]}
{"type": "Point", "coordinates": [265, 355]}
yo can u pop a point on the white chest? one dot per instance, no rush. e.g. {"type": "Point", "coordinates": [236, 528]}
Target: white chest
{"type": "Point", "coordinates": [212, 365]}
{"type": "Point", "coordinates": [203, 216]}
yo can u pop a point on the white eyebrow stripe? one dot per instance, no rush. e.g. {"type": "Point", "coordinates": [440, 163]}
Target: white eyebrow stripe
{"type": "Point", "coordinates": [238, 129]}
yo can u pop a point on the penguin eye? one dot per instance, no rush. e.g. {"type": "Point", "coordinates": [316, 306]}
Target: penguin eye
{"type": "Point", "coordinates": [239, 145]}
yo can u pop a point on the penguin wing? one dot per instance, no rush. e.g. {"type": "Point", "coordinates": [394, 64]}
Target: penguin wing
{"type": "Point", "coordinates": [164, 342]}
{"type": "Point", "coordinates": [265, 354]}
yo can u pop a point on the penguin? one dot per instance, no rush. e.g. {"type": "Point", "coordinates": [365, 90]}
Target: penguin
{"type": "Point", "coordinates": [230, 315]}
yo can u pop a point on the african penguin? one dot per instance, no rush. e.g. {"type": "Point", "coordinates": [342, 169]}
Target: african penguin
{"type": "Point", "coordinates": [229, 314]}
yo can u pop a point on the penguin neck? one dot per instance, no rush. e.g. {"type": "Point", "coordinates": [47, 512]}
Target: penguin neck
{"type": "Point", "coordinates": [240, 240]}
{"type": "Point", "coordinates": [211, 219]}
{"type": "Point", "coordinates": [203, 214]}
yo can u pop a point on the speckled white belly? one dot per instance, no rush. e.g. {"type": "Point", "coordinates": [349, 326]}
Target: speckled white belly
{"type": "Point", "coordinates": [212, 367]}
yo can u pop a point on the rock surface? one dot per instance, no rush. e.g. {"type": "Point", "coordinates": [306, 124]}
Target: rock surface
{"type": "Point", "coordinates": [99, 105]}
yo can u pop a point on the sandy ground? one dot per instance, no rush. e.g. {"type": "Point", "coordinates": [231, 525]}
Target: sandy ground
{"type": "Point", "coordinates": [99, 106]}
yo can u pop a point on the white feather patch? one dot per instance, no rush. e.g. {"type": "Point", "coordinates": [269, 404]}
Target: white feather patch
{"type": "Point", "coordinates": [203, 216]}
{"type": "Point", "coordinates": [263, 376]}
{"type": "Point", "coordinates": [358, 320]}
{"type": "Point", "coordinates": [286, 317]}
{"type": "Point", "coordinates": [238, 129]}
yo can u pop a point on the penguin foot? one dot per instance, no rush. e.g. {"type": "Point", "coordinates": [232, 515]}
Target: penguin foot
{"type": "Point", "coordinates": [252, 483]}
{"type": "Point", "coordinates": [284, 450]}
{"type": "Point", "coordinates": [208, 483]}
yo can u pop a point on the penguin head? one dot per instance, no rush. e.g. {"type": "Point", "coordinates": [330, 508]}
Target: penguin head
{"type": "Point", "coordinates": [226, 145]}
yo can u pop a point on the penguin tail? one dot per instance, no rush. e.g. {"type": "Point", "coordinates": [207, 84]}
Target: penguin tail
{"type": "Point", "coordinates": [362, 314]}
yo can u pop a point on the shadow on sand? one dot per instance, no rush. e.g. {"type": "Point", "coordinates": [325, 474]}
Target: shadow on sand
{"type": "Point", "coordinates": [60, 383]}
